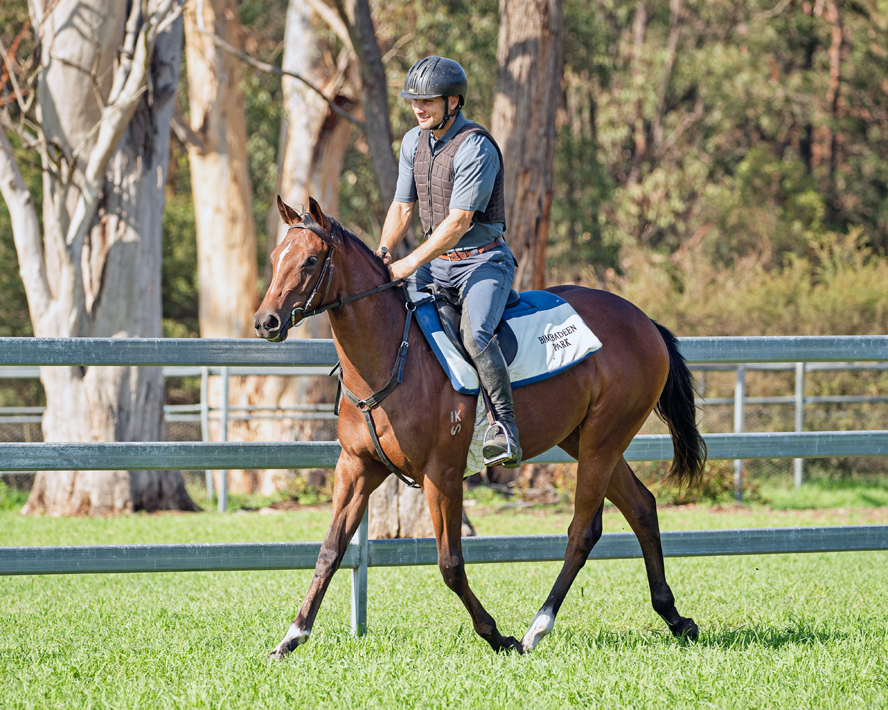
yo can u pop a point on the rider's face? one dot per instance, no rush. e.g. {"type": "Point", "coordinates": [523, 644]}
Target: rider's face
{"type": "Point", "coordinates": [429, 112]}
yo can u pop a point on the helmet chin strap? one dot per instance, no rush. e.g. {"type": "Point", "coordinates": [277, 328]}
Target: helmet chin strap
{"type": "Point", "coordinates": [447, 114]}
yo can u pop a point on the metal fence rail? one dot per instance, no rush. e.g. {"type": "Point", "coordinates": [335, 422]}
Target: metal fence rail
{"type": "Point", "coordinates": [223, 352]}
{"type": "Point", "coordinates": [363, 553]}
{"type": "Point", "coordinates": [220, 557]}
{"type": "Point", "coordinates": [195, 456]}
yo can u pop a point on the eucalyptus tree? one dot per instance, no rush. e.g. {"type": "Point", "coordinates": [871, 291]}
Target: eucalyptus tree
{"type": "Point", "coordinates": [529, 62]}
{"type": "Point", "coordinates": [95, 113]}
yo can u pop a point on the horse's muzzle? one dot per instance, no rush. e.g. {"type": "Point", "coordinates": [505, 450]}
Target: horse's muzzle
{"type": "Point", "coordinates": [271, 327]}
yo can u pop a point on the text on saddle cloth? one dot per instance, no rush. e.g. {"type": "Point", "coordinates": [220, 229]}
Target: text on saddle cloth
{"type": "Point", "coordinates": [549, 336]}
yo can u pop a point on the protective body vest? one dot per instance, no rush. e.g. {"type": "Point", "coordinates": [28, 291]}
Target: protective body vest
{"type": "Point", "coordinates": [433, 175]}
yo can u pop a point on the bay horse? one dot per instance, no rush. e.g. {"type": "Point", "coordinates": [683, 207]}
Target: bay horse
{"type": "Point", "coordinates": [591, 410]}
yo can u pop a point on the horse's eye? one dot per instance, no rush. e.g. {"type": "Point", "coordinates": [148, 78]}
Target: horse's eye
{"type": "Point", "coordinates": [311, 261]}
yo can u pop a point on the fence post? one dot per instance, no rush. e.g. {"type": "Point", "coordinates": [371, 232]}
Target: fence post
{"type": "Point", "coordinates": [798, 465]}
{"type": "Point", "coordinates": [223, 475]}
{"type": "Point", "coordinates": [739, 416]}
{"type": "Point", "coordinates": [205, 422]}
{"type": "Point", "coordinates": [359, 580]}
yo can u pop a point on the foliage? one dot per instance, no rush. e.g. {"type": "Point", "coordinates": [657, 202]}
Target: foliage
{"type": "Point", "coordinates": [753, 155]}
{"type": "Point", "coordinates": [837, 288]}
{"type": "Point", "coordinates": [716, 486]}
{"type": "Point", "coordinates": [754, 172]}
{"type": "Point", "coordinates": [11, 498]}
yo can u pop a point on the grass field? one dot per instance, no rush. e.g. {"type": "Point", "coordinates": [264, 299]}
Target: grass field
{"type": "Point", "coordinates": [776, 631]}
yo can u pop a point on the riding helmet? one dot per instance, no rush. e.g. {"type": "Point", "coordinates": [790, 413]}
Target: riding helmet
{"type": "Point", "coordinates": [432, 77]}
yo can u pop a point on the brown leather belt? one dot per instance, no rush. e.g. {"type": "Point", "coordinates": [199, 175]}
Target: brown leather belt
{"type": "Point", "coordinates": [459, 255]}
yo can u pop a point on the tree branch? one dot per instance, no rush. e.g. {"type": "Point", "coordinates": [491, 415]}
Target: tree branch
{"type": "Point", "coordinates": [374, 89]}
{"type": "Point", "coordinates": [271, 69]}
{"type": "Point", "coordinates": [25, 229]}
{"type": "Point", "coordinates": [185, 134]}
{"type": "Point", "coordinates": [19, 97]}
{"type": "Point", "coordinates": [668, 64]}
{"type": "Point", "coordinates": [129, 83]}
{"type": "Point", "coordinates": [332, 18]}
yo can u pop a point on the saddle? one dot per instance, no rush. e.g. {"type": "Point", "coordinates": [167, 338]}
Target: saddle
{"type": "Point", "coordinates": [540, 335]}
{"type": "Point", "coordinates": [446, 300]}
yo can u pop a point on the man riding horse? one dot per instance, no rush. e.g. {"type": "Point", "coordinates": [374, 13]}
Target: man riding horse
{"type": "Point", "coordinates": [453, 169]}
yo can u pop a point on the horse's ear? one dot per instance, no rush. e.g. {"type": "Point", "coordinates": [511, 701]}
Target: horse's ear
{"type": "Point", "coordinates": [314, 209]}
{"type": "Point", "coordinates": [288, 214]}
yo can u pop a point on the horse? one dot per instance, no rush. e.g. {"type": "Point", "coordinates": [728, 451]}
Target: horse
{"type": "Point", "coordinates": [592, 411]}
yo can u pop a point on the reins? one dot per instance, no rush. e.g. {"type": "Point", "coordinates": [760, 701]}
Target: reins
{"type": "Point", "coordinates": [366, 406]}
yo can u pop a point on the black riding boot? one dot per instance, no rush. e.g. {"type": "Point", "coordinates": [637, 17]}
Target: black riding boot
{"type": "Point", "coordinates": [501, 447]}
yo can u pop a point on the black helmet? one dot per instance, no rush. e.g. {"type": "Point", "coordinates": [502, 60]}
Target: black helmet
{"type": "Point", "coordinates": [436, 76]}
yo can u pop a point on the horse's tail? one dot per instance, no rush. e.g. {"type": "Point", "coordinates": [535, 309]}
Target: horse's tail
{"type": "Point", "coordinates": [677, 409]}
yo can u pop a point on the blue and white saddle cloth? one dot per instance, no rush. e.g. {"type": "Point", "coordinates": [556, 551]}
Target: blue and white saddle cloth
{"type": "Point", "coordinates": [540, 336]}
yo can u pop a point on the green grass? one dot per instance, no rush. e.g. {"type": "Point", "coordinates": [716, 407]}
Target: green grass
{"type": "Point", "coordinates": [826, 494]}
{"type": "Point", "coordinates": [776, 631]}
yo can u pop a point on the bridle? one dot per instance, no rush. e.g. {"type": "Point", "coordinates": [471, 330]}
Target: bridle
{"type": "Point", "coordinates": [304, 311]}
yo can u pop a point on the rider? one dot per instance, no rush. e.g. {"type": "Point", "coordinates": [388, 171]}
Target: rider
{"type": "Point", "coordinates": [453, 169]}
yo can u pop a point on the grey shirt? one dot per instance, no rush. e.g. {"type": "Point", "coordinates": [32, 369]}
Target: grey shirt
{"type": "Point", "coordinates": [475, 167]}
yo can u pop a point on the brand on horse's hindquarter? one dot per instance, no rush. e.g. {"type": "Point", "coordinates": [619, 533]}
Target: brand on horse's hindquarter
{"type": "Point", "coordinates": [455, 419]}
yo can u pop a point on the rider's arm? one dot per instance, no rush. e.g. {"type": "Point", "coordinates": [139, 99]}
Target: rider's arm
{"type": "Point", "coordinates": [400, 214]}
{"type": "Point", "coordinates": [445, 237]}
{"type": "Point", "coordinates": [397, 224]}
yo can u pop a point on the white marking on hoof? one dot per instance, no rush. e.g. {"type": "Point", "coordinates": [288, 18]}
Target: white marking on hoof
{"type": "Point", "coordinates": [542, 624]}
{"type": "Point", "coordinates": [294, 633]}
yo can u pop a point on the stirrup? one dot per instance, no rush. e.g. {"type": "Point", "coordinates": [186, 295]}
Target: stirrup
{"type": "Point", "coordinates": [507, 455]}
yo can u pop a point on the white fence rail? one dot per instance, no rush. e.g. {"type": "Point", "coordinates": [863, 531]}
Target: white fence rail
{"type": "Point", "coordinates": [364, 553]}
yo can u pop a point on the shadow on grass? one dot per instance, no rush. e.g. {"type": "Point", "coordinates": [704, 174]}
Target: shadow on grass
{"type": "Point", "coordinates": [800, 633]}
{"type": "Point", "coordinates": [797, 633]}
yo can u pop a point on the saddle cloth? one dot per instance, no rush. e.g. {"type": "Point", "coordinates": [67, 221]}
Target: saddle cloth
{"type": "Point", "coordinates": [541, 335]}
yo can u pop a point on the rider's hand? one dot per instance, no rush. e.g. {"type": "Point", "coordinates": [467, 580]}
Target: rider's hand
{"type": "Point", "coordinates": [384, 254]}
{"type": "Point", "coordinates": [401, 269]}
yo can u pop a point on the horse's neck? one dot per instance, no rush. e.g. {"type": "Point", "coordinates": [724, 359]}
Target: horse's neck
{"type": "Point", "coordinates": [367, 331]}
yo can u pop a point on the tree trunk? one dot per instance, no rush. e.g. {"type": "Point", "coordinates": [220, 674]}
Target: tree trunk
{"type": "Point", "coordinates": [104, 104]}
{"type": "Point", "coordinates": [397, 511]}
{"type": "Point", "coordinates": [313, 143]}
{"type": "Point", "coordinates": [220, 177]}
{"type": "Point", "coordinates": [374, 90]}
{"type": "Point", "coordinates": [529, 58]}
{"type": "Point", "coordinates": [639, 135]}
{"type": "Point", "coordinates": [226, 236]}
{"type": "Point", "coordinates": [837, 39]}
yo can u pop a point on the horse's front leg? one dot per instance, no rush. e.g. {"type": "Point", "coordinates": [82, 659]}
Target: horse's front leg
{"type": "Point", "coordinates": [354, 480]}
{"type": "Point", "coordinates": [445, 498]}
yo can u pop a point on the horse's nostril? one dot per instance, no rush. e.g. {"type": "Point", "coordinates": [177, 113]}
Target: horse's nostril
{"type": "Point", "coordinates": [271, 323]}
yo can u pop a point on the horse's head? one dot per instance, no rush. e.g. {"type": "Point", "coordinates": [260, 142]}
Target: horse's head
{"type": "Point", "coordinates": [300, 271]}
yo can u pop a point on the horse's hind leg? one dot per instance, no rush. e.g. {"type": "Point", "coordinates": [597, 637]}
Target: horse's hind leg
{"type": "Point", "coordinates": [593, 472]}
{"type": "Point", "coordinates": [639, 507]}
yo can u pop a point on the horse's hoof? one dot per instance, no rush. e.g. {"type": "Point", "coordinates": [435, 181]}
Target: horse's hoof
{"type": "Point", "coordinates": [296, 636]}
{"type": "Point", "coordinates": [510, 643]}
{"type": "Point", "coordinates": [685, 629]}
{"type": "Point", "coordinates": [541, 625]}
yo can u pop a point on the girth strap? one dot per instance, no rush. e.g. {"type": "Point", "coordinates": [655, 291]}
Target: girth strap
{"type": "Point", "coordinates": [373, 401]}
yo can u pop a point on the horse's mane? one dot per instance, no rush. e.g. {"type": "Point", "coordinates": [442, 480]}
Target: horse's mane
{"type": "Point", "coordinates": [350, 241]}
